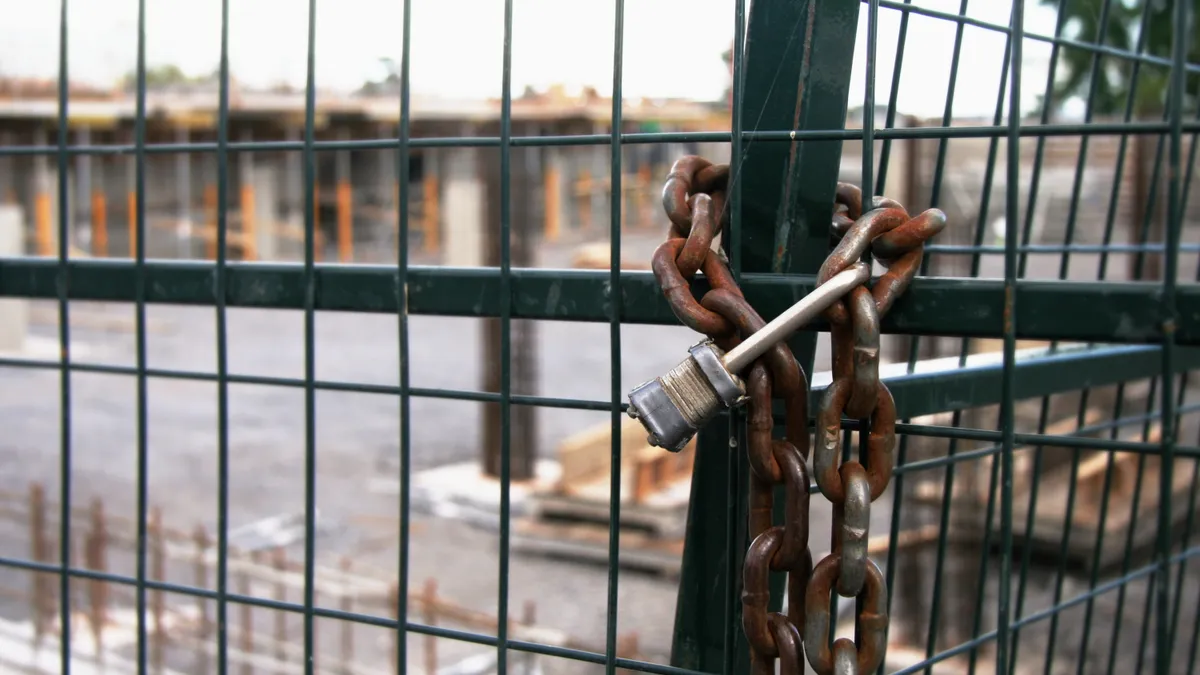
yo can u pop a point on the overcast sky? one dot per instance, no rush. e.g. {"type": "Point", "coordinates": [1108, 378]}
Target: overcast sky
{"type": "Point", "coordinates": [672, 47]}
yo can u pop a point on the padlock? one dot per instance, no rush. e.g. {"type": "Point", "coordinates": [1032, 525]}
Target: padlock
{"type": "Point", "coordinates": [672, 408]}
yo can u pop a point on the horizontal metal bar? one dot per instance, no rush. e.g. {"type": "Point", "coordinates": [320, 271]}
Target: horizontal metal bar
{"type": "Point", "coordinates": [932, 390]}
{"type": "Point", "coordinates": [943, 389]}
{"type": "Point", "coordinates": [355, 617]}
{"type": "Point", "coordinates": [324, 385]}
{"type": "Point", "coordinates": [1126, 312]}
{"type": "Point", "coordinates": [1074, 440]}
{"type": "Point", "coordinates": [640, 138]}
{"type": "Point", "coordinates": [1059, 248]}
{"type": "Point", "coordinates": [1126, 357]}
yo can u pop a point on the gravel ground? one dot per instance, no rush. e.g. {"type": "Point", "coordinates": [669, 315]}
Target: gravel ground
{"type": "Point", "coordinates": [356, 444]}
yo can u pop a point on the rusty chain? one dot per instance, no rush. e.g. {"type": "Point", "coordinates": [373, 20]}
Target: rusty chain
{"type": "Point", "coordinates": [694, 199]}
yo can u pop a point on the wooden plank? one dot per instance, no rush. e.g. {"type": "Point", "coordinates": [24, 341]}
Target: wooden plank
{"type": "Point", "coordinates": [585, 460]}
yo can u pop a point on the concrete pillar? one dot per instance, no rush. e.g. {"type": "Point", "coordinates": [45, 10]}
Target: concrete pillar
{"type": "Point", "coordinates": [463, 205]}
{"type": "Point", "coordinates": [523, 359]}
{"type": "Point", "coordinates": [293, 191]}
{"type": "Point", "coordinates": [601, 168]}
{"type": "Point", "coordinates": [265, 183]}
{"type": "Point", "coordinates": [248, 233]}
{"type": "Point", "coordinates": [8, 174]}
{"type": "Point", "coordinates": [344, 200]}
{"type": "Point", "coordinates": [14, 312]}
{"type": "Point", "coordinates": [386, 177]}
{"type": "Point", "coordinates": [556, 181]}
{"type": "Point", "coordinates": [131, 203]}
{"type": "Point", "coordinates": [211, 207]}
{"type": "Point", "coordinates": [83, 187]}
{"type": "Point", "coordinates": [183, 195]}
{"type": "Point", "coordinates": [293, 199]}
{"type": "Point", "coordinates": [45, 206]}
{"type": "Point", "coordinates": [431, 200]}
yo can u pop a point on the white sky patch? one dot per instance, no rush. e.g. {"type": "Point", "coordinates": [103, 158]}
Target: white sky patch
{"type": "Point", "coordinates": [672, 47]}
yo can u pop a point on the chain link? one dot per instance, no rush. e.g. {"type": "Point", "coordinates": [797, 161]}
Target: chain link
{"type": "Point", "coordinates": [694, 200]}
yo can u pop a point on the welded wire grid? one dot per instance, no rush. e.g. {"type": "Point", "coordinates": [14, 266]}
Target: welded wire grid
{"type": "Point", "coordinates": [1015, 616]}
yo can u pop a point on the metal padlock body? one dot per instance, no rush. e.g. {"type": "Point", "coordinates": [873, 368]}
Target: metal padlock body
{"type": "Point", "coordinates": [672, 408]}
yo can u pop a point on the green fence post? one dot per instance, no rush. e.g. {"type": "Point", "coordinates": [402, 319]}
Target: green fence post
{"type": "Point", "coordinates": [798, 60]}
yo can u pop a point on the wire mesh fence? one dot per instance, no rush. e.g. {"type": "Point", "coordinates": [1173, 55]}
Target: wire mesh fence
{"type": "Point", "coordinates": [375, 275]}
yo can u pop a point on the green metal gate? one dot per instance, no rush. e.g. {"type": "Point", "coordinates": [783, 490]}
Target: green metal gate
{"type": "Point", "coordinates": [1128, 338]}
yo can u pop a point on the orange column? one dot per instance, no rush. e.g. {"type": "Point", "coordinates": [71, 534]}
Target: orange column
{"type": "Point", "coordinates": [131, 202]}
{"type": "Point", "coordinates": [345, 231]}
{"type": "Point", "coordinates": [210, 221]}
{"type": "Point", "coordinates": [99, 224]}
{"type": "Point", "coordinates": [42, 226]}
{"type": "Point", "coordinates": [249, 242]}
{"type": "Point", "coordinates": [584, 198]}
{"type": "Point", "coordinates": [551, 188]}
{"type": "Point", "coordinates": [431, 241]}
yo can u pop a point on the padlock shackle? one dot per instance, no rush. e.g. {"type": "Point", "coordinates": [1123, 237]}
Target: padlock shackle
{"type": "Point", "coordinates": [795, 316]}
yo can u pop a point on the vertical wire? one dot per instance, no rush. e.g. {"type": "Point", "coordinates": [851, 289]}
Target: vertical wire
{"type": "Point", "coordinates": [310, 403]}
{"type": "Point", "coordinates": [1187, 185]}
{"type": "Point", "coordinates": [139, 192]}
{"type": "Point", "coordinates": [1008, 382]}
{"type": "Point", "coordinates": [1038, 153]}
{"type": "Point", "coordinates": [868, 142]}
{"type": "Point", "coordinates": [1123, 146]}
{"type": "Point", "coordinates": [935, 191]}
{"type": "Point", "coordinates": [732, 238]}
{"type": "Point", "coordinates": [868, 160]}
{"type": "Point", "coordinates": [976, 262]}
{"type": "Point", "coordinates": [614, 336]}
{"type": "Point", "coordinates": [956, 418]}
{"type": "Point", "coordinates": [1190, 521]}
{"type": "Point", "coordinates": [893, 537]}
{"type": "Point", "coordinates": [402, 170]}
{"type": "Point", "coordinates": [1064, 268]}
{"type": "Point", "coordinates": [1026, 234]}
{"type": "Point", "coordinates": [1030, 524]}
{"type": "Point", "coordinates": [62, 283]}
{"type": "Point", "coordinates": [505, 340]}
{"type": "Point", "coordinates": [1102, 274]}
{"type": "Point", "coordinates": [913, 351]}
{"type": "Point", "coordinates": [885, 151]}
{"type": "Point", "coordinates": [1135, 502]}
{"type": "Point", "coordinates": [1162, 649]}
{"type": "Point", "coordinates": [1101, 527]}
{"type": "Point", "coordinates": [1081, 163]}
{"type": "Point", "coordinates": [1043, 418]}
{"type": "Point", "coordinates": [221, 283]}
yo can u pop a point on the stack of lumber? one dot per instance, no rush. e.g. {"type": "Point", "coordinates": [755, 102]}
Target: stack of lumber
{"type": "Point", "coordinates": [571, 518]}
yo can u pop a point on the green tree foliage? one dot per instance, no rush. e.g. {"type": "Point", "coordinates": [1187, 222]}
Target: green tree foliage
{"type": "Point", "coordinates": [1081, 23]}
